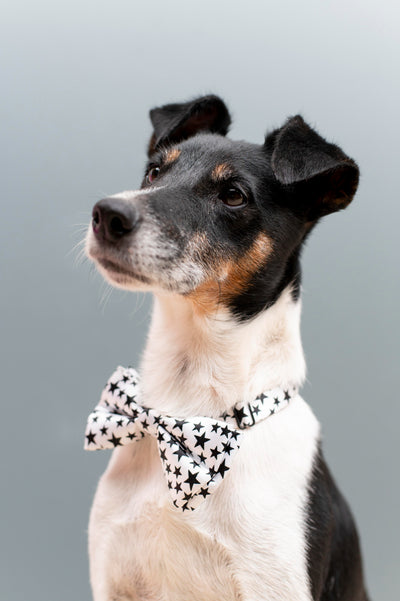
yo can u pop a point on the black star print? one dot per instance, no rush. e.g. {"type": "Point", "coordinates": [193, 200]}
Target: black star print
{"type": "Point", "coordinates": [125, 410]}
{"type": "Point", "coordinates": [182, 440]}
{"type": "Point", "coordinates": [191, 479]}
{"type": "Point", "coordinates": [116, 441]}
{"type": "Point", "coordinates": [225, 431]}
{"type": "Point", "coordinates": [180, 452]}
{"type": "Point", "coordinates": [90, 437]}
{"type": "Point", "coordinates": [129, 400]}
{"type": "Point", "coordinates": [222, 468]}
{"type": "Point", "coordinates": [227, 447]}
{"type": "Point", "coordinates": [214, 452]}
{"type": "Point", "coordinates": [113, 387]}
{"type": "Point", "coordinates": [239, 414]}
{"type": "Point", "coordinates": [201, 440]}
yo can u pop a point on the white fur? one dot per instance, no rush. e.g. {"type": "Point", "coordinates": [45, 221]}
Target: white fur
{"type": "Point", "coordinates": [247, 541]}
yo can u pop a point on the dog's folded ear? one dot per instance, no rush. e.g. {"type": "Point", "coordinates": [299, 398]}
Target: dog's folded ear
{"type": "Point", "coordinates": [176, 122]}
{"type": "Point", "coordinates": [318, 176]}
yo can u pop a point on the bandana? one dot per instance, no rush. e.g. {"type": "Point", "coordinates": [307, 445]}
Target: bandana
{"type": "Point", "coordinates": [195, 452]}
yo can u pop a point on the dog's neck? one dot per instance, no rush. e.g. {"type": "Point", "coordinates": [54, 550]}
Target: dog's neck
{"type": "Point", "coordinates": [196, 364]}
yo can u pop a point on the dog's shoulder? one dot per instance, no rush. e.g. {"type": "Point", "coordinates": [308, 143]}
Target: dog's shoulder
{"type": "Point", "coordinates": [334, 557]}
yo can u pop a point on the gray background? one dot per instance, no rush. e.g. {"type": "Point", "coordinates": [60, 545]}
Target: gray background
{"type": "Point", "coordinates": [77, 80]}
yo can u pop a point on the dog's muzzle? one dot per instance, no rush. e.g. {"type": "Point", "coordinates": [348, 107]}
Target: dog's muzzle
{"type": "Point", "coordinates": [113, 218]}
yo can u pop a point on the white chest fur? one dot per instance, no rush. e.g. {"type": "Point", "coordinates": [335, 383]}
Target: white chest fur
{"type": "Point", "coordinates": [246, 541]}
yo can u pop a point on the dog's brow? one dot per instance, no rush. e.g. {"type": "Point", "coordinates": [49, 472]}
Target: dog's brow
{"type": "Point", "coordinates": [222, 171]}
{"type": "Point", "coordinates": [171, 155]}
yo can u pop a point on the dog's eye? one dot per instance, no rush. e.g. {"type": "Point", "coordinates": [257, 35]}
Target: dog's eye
{"type": "Point", "coordinates": [233, 197]}
{"type": "Point", "coordinates": [152, 174]}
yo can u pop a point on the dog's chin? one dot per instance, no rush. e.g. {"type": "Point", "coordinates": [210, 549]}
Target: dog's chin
{"type": "Point", "coordinates": [120, 276]}
{"type": "Point", "coordinates": [130, 276]}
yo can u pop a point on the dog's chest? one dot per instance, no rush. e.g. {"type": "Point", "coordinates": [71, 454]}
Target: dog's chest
{"type": "Point", "coordinates": [246, 541]}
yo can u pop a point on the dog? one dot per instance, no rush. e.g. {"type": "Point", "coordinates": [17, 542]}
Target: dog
{"type": "Point", "coordinates": [215, 232]}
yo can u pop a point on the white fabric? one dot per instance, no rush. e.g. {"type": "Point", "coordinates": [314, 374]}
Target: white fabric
{"type": "Point", "coordinates": [195, 452]}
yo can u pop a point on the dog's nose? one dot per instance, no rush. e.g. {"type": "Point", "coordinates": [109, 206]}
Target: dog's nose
{"type": "Point", "coordinates": [113, 218]}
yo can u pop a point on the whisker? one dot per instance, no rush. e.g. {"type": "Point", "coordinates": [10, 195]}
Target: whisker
{"type": "Point", "coordinates": [76, 245]}
{"type": "Point", "coordinates": [140, 299]}
{"type": "Point", "coordinates": [81, 257]}
{"type": "Point", "coordinates": [106, 295]}
{"type": "Point", "coordinates": [79, 249]}
{"type": "Point", "coordinates": [79, 226]}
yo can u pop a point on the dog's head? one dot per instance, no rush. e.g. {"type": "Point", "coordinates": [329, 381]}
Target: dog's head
{"type": "Point", "coordinates": [219, 221]}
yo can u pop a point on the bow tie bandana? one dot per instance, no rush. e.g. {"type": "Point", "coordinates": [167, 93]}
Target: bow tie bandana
{"type": "Point", "coordinates": [195, 452]}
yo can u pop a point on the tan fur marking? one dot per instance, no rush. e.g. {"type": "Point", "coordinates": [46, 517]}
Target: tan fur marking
{"type": "Point", "coordinates": [171, 155]}
{"type": "Point", "coordinates": [221, 171]}
{"type": "Point", "coordinates": [231, 278]}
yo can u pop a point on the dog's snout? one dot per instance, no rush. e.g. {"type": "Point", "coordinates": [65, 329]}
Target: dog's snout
{"type": "Point", "coordinates": [113, 218]}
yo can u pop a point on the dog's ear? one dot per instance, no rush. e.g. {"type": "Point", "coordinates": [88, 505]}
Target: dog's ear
{"type": "Point", "coordinates": [176, 122]}
{"type": "Point", "coordinates": [319, 177]}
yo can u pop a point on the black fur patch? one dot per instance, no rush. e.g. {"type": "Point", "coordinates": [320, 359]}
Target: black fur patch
{"type": "Point", "coordinates": [188, 204]}
{"type": "Point", "coordinates": [289, 182]}
{"type": "Point", "coordinates": [176, 122]}
{"type": "Point", "coordinates": [334, 559]}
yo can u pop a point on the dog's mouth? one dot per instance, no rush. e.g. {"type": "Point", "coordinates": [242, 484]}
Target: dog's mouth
{"type": "Point", "coordinates": [112, 266]}
{"type": "Point", "coordinates": [117, 271]}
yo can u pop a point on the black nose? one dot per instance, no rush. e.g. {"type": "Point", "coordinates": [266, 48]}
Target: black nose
{"type": "Point", "coordinates": [113, 218]}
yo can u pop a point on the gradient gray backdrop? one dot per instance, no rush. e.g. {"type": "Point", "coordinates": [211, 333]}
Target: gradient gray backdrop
{"type": "Point", "coordinates": [77, 80]}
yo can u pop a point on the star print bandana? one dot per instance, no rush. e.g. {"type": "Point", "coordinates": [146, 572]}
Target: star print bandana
{"type": "Point", "coordinates": [195, 452]}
